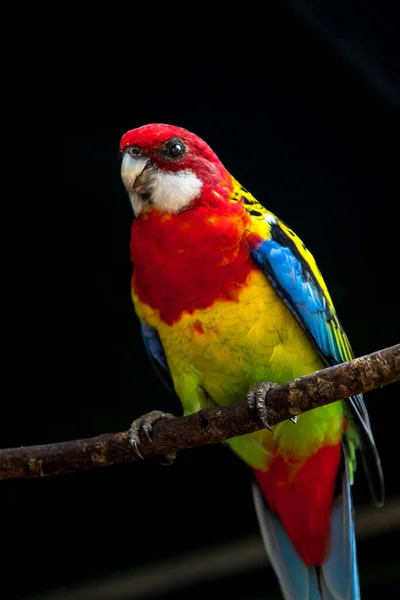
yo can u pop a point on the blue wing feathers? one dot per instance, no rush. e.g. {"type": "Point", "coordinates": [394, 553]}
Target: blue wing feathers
{"type": "Point", "coordinates": [153, 345]}
{"type": "Point", "coordinates": [302, 294]}
{"type": "Point", "coordinates": [156, 354]}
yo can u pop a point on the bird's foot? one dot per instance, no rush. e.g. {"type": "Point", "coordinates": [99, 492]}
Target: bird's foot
{"type": "Point", "coordinates": [144, 425]}
{"type": "Point", "coordinates": [257, 399]}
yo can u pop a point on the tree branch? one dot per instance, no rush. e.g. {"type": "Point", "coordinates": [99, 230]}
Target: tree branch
{"type": "Point", "coordinates": [208, 426]}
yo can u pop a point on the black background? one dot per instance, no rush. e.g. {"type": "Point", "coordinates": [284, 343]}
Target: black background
{"type": "Point", "coordinates": [305, 114]}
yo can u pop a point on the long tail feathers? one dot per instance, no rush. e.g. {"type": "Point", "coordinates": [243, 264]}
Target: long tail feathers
{"type": "Point", "coordinates": [296, 580]}
{"type": "Point", "coordinates": [337, 577]}
{"type": "Point", "coordinates": [340, 571]}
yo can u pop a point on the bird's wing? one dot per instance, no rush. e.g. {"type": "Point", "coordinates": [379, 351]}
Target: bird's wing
{"type": "Point", "coordinates": [156, 354]}
{"type": "Point", "coordinates": [292, 271]}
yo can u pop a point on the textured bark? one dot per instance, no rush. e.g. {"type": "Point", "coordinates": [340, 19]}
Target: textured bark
{"type": "Point", "coordinates": [208, 426]}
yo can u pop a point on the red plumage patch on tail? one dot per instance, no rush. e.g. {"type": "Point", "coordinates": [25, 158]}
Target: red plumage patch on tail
{"type": "Point", "coordinates": [304, 502]}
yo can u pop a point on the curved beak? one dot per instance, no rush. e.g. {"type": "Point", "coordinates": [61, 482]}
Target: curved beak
{"type": "Point", "coordinates": [131, 170]}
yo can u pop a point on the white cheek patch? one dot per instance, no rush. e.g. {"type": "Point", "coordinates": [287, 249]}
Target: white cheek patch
{"type": "Point", "coordinates": [171, 192]}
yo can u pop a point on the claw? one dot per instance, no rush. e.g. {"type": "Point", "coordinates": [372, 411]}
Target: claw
{"type": "Point", "coordinates": [294, 419]}
{"type": "Point", "coordinates": [147, 428]}
{"type": "Point", "coordinates": [134, 442]}
{"type": "Point", "coordinates": [257, 399]}
{"type": "Point", "coordinates": [145, 424]}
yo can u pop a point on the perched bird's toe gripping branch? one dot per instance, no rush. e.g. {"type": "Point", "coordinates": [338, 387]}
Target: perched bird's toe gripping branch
{"type": "Point", "coordinates": [257, 399]}
{"type": "Point", "coordinates": [144, 424]}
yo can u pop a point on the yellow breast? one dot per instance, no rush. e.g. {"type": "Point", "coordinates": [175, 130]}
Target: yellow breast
{"type": "Point", "coordinates": [232, 346]}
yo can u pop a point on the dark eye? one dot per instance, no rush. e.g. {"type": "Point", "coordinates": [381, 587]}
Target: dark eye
{"type": "Point", "coordinates": [133, 151]}
{"type": "Point", "coordinates": [175, 149]}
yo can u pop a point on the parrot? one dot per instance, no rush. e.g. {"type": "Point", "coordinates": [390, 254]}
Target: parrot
{"type": "Point", "coordinates": [230, 302]}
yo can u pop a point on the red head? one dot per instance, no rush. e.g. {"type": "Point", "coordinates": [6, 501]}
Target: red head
{"type": "Point", "coordinates": [168, 168]}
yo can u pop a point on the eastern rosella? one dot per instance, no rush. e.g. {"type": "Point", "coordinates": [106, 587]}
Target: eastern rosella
{"type": "Point", "coordinates": [228, 296]}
